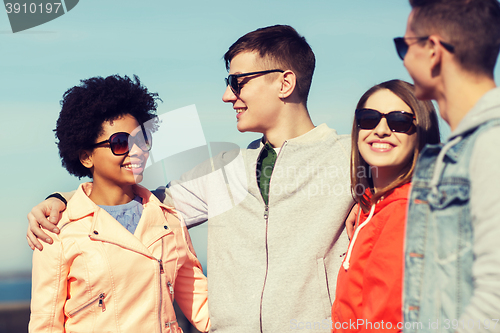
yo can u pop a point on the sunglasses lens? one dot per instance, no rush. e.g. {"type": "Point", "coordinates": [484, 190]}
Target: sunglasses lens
{"type": "Point", "coordinates": [119, 143]}
{"type": "Point", "coordinates": [367, 119]}
{"type": "Point", "coordinates": [401, 47]}
{"type": "Point", "coordinates": [232, 81]}
{"type": "Point", "coordinates": [399, 122]}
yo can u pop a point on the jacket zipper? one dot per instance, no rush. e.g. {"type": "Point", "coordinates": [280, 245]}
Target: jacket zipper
{"type": "Point", "coordinates": [161, 298]}
{"type": "Point", "coordinates": [101, 304]}
{"type": "Point", "coordinates": [170, 288]}
{"type": "Point", "coordinates": [266, 218]}
{"type": "Point", "coordinates": [161, 272]}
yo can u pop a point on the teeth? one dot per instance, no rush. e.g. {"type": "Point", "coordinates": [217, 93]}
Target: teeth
{"type": "Point", "coordinates": [132, 166]}
{"type": "Point", "coordinates": [239, 110]}
{"type": "Point", "coordinates": [379, 145]}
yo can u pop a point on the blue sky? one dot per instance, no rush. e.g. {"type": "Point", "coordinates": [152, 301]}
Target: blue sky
{"type": "Point", "coordinates": [176, 48]}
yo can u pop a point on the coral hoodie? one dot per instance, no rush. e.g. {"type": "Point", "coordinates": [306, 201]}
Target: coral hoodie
{"type": "Point", "coordinates": [369, 284]}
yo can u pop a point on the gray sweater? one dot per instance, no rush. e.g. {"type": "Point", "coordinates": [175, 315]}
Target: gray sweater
{"type": "Point", "coordinates": [272, 268]}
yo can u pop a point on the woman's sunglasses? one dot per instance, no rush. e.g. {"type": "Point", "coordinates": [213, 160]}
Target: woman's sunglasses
{"type": "Point", "coordinates": [398, 121]}
{"type": "Point", "coordinates": [232, 79]}
{"type": "Point", "coordinates": [121, 142]}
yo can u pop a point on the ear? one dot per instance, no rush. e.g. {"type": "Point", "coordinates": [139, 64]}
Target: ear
{"type": "Point", "coordinates": [435, 55]}
{"type": "Point", "coordinates": [288, 84]}
{"type": "Point", "coordinates": [86, 159]}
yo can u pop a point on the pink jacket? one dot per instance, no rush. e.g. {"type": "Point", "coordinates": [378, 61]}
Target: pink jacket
{"type": "Point", "coordinates": [98, 277]}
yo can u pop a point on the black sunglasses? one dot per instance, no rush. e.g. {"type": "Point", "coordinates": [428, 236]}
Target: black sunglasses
{"type": "Point", "coordinates": [121, 142]}
{"type": "Point", "coordinates": [232, 79]}
{"type": "Point", "coordinates": [398, 121]}
{"type": "Point", "coordinates": [402, 46]}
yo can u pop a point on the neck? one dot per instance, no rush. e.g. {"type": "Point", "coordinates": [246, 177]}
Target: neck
{"type": "Point", "coordinates": [293, 122]}
{"type": "Point", "coordinates": [110, 194]}
{"type": "Point", "coordinates": [459, 93]}
{"type": "Point", "coordinates": [383, 177]}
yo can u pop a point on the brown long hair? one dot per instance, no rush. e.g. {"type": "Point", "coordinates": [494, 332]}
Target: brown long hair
{"type": "Point", "coordinates": [427, 129]}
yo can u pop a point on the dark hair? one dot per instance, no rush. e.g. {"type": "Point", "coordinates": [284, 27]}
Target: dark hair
{"type": "Point", "coordinates": [471, 26]}
{"type": "Point", "coordinates": [87, 106]}
{"type": "Point", "coordinates": [427, 133]}
{"type": "Point", "coordinates": [280, 47]}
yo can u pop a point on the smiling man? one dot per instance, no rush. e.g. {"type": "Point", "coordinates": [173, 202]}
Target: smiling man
{"type": "Point", "coordinates": [452, 259]}
{"type": "Point", "coordinates": [274, 255]}
{"type": "Point", "coordinates": [273, 259]}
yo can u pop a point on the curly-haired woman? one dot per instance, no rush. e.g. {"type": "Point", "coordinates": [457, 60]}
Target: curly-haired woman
{"type": "Point", "coordinates": [121, 255]}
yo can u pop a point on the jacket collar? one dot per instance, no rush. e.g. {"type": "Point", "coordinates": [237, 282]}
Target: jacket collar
{"type": "Point", "coordinates": [152, 225]}
{"type": "Point", "coordinates": [399, 193]}
{"type": "Point", "coordinates": [313, 136]}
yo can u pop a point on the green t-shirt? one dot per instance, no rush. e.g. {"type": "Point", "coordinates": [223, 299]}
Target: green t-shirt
{"type": "Point", "coordinates": [265, 166]}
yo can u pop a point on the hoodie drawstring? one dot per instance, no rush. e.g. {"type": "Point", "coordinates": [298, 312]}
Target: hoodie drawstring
{"type": "Point", "coordinates": [356, 232]}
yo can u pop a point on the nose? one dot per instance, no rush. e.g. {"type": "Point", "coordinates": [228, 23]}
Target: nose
{"type": "Point", "coordinates": [134, 150]}
{"type": "Point", "coordinates": [382, 130]}
{"type": "Point", "coordinates": [229, 96]}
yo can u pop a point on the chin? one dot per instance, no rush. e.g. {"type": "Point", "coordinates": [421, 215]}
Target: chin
{"type": "Point", "coordinates": [243, 128]}
{"type": "Point", "coordinates": [138, 178]}
{"type": "Point", "coordinates": [423, 94]}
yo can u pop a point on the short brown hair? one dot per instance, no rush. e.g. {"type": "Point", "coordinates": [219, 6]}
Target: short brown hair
{"type": "Point", "coordinates": [427, 133]}
{"type": "Point", "coordinates": [471, 26]}
{"type": "Point", "coordinates": [282, 47]}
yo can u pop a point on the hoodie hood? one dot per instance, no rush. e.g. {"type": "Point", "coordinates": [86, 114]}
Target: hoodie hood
{"type": "Point", "coordinates": [485, 109]}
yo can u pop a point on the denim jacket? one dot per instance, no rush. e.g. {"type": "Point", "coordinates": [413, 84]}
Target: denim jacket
{"type": "Point", "coordinates": [439, 248]}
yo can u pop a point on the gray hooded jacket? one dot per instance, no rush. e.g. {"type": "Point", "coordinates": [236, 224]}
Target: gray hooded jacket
{"type": "Point", "coordinates": [484, 170]}
{"type": "Point", "coordinates": [272, 268]}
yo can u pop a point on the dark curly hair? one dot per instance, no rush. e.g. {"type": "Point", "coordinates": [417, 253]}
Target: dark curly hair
{"type": "Point", "coordinates": [84, 108]}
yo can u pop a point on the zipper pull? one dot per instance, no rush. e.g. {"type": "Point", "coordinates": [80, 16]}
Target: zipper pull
{"type": "Point", "coordinates": [266, 212]}
{"type": "Point", "coordinates": [161, 266]}
{"type": "Point", "coordinates": [101, 302]}
{"type": "Point", "coordinates": [169, 284]}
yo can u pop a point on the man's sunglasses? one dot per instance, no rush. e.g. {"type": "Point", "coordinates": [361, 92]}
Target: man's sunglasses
{"type": "Point", "coordinates": [402, 46]}
{"type": "Point", "coordinates": [232, 79]}
{"type": "Point", "coordinates": [398, 121]}
{"type": "Point", "coordinates": [121, 142]}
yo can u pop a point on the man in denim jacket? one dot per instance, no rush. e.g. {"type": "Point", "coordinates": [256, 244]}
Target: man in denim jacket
{"type": "Point", "coordinates": [452, 249]}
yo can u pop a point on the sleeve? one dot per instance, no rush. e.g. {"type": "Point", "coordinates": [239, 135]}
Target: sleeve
{"type": "Point", "coordinates": [191, 290]}
{"type": "Point", "coordinates": [49, 289]}
{"type": "Point", "coordinates": [382, 289]}
{"type": "Point", "coordinates": [189, 198]}
{"type": "Point", "coordinates": [210, 189]}
{"type": "Point", "coordinates": [66, 195]}
{"type": "Point", "coordinates": [484, 306]}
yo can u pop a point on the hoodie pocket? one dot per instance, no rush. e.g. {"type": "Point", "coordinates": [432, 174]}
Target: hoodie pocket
{"type": "Point", "coordinates": [323, 287]}
{"type": "Point", "coordinates": [97, 300]}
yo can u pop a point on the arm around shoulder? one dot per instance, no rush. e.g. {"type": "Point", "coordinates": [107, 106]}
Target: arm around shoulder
{"type": "Point", "coordinates": [45, 215]}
